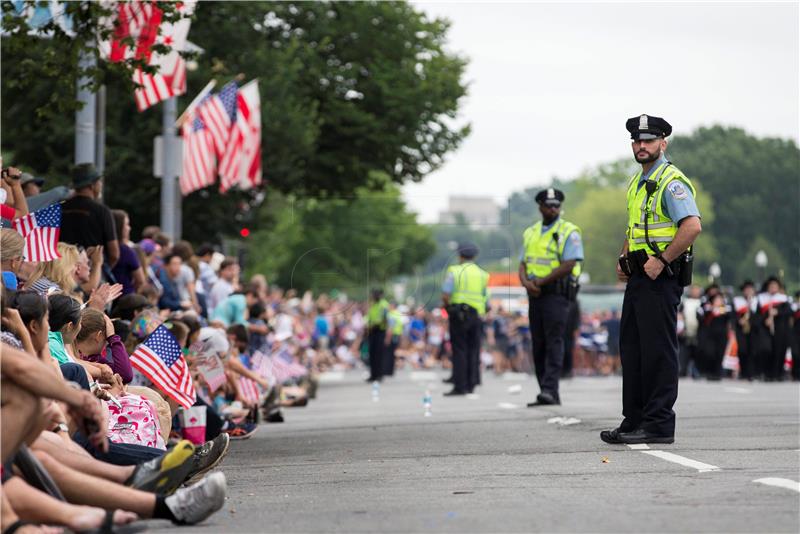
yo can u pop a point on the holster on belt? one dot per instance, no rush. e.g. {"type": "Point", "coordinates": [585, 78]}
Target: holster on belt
{"type": "Point", "coordinates": [681, 268]}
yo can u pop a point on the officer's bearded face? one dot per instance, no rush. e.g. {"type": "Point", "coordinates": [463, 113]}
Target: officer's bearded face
{"type": "Point", "coordinates": [647, 150]}
{"type": "Point", "coordinates": [549, 213]}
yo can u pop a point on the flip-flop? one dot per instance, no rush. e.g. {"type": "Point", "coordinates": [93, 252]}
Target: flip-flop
{"type": "Point", "coordinates": [16, 525]}
{"type": "Point", "coordinates": [108, 527]}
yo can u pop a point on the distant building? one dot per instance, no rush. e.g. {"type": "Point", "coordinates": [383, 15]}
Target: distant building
{"type": "Point", "coordinates": [476, 211]}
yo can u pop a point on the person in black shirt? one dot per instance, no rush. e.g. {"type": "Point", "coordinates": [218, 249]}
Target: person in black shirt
{"type": "Point", "coordinates": [84, 220]}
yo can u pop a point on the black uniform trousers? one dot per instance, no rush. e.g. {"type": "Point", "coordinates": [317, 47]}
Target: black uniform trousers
{"type": "Point", "coordinates": [389, 356]}
{"type": "Point", "coordinates": [649, 354]}
{"type": "Point", "coordinates": [465, 338]}
{"type": "Point", "coordinates": [548, 318]}
{"type": "Point", "coordinates": [377, 348]}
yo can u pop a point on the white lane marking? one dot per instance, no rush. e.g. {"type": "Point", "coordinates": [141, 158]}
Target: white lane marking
{"type": "Point", "coordinates": [332, 376]}
{"type": "Point", "coordinates": [564, 421]}
{"type": "Point", "coordinates": [516, 389]}
{"type": "Point", "coordinates": [639, 446]}
{"type": "Point", "coordinates": [780, 483]}
{"type": "Point", "coordinates": [682, 460]}
{"type": "Point", "coordinates": [515, 377]}
{"type": "Point", "coordinates": [424, 375]}
{"type": "Point", "coordinates": [472, 396]}
{"type": "Point", "coordinates": [508, 405]}
{"type": "Point", "coordinates": [734, 389]}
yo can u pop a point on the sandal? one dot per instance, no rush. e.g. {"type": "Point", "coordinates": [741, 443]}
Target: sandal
{"type": "Point", "coordinates": [108, 527]}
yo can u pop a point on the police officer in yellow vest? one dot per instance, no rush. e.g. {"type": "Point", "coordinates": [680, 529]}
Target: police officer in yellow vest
{"type": "Point", "coordinates": [663, 222]}
{"type": "Point", "coordinates": [465, 295]}
{"type": "Point", "coordinates": [377, 325]}
{"type": "Point", "coordinates": [549, 268]}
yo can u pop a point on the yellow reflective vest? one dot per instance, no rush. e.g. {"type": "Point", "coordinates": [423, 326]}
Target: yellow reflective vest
{"type": "Point", "coordinates": [661, 229]}
{"type": "Point", "coordinates": [543, 251]}
{"type": "Point", "coordinates": [469, 286]}
{"type": "Point", "coordinates": [378, 313]}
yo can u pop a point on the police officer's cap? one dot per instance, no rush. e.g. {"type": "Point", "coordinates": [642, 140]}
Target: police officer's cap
{"type": "Point", "coordinates": [648, 127]}
{"type": "Point", "coordinates": [467, 250]}
{"type": "Point", "coordinates": [550, 197]}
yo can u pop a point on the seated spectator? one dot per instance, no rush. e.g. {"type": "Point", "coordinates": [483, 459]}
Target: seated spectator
{"type": "Point", "coordinates": [12, 245]}
{"type": "Point", "coordinates": [225, 284]}
{"type": "Point", "coordinates": [56, 275]}
{"type": "Point", "coordinates": [96, 334]}
{"type": "Point", "coordinates": [127, 270]}
{"type": "Point", "coordinates": [65, 323]}
{"type": "Point", "coordinates": [233, 309]}
{"type": "Point", "coordinates": [170, 278]}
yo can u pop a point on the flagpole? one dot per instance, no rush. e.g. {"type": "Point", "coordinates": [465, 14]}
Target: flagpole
{"type": "Point", "coordinates": [170, 199]}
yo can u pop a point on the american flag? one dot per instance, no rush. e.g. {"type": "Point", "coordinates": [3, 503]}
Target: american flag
{"type": "Point", "coordinates": [249, 391]}
{"type": "Point", "coordinates": [241, 161]}
{"type": "Point", "coordinates": [262, 366]}
{"type": "Point", "coordinates": [219, 114]}
{"type": "Point", "coordinates": [143, 22]}
{"type": "Point", "coordinates": [41, 230]}
{"type": "Point", "coordinates": [199, 165]}
{"type": "Point", "coordinates": [160, 359]}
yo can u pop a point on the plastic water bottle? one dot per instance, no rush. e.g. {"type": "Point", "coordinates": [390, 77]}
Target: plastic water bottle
{"type": "Point", "coordinates": [427, 401]}
{"type": "Point", "coordinates": [376, 391]}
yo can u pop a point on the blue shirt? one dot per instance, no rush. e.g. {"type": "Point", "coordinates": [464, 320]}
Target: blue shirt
{"type": "Point", "coordinates": [677, 201]}
{"type": "Point", "coordinates": [573, 248]}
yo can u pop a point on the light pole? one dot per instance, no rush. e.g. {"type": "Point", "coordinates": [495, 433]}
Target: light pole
{"type": "Point", "coordinates": [761, 262]}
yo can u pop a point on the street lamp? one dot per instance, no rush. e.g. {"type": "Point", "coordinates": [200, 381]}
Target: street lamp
{"type": "Point", "coordinates": [761, 263]}
{"type": "Point", "coordinates": [714, 272]}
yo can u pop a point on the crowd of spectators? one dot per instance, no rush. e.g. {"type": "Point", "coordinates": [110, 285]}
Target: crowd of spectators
{"type": "Point", "coordinates": [89, 440]}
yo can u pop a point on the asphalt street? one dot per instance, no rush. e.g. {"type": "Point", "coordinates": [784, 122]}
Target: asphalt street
{"type": "Point", "coordinates": [348, 463]}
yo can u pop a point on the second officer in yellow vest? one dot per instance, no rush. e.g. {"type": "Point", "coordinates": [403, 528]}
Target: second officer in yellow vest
{"type": "Point", "coordinates": [549, 268]}
{"type": "Point", "coordinates": [465, 295]}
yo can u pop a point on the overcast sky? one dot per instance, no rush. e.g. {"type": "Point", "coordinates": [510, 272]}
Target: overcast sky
{"type": "Point", "coordinates": [551, 85]}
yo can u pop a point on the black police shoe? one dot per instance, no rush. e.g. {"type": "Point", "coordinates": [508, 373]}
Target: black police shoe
{"type": "Point", "coordinates": [447, 380]}
{"type": "Point", "coordinates": [643, 436]}
{"type": "Point", "coordinates": [611, 436]}
{"type": "Point", "coordinates": [544, 399]}
{"type": "Point", "coordinates": [455, 393]}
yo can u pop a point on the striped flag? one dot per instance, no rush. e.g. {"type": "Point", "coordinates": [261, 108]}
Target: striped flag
{"type": "Point", "coordinates": [240, 163]}
{"type": "Point", "coordinates": [262, 366]}
{"type": "Point", "coordinates": [198, 164]}
{"type": "Point", "coordinates": [249, 391]}
{"type": "Point", "coordinates": [142, 22]}
{"type": "Point", "coordinates": [160, 359]}
{"type": "Point", "coordinates": [41, 230]}
{"type": "Point", "coordinates": [219, 114]}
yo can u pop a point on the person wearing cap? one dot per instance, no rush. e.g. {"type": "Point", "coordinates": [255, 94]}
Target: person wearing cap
{"type": "Point", "coordinates": [84, 220]}
{"type": "Point", "coordinates": [663, 223]}
{"type": "Point", "coordinates": [550, 263]}
{"type": "Point", "coordinates": [377, 326]}
{"type": "Point", "coordinates": [32, 188]}
{"type": "Point", "coordinates": [465, 295]}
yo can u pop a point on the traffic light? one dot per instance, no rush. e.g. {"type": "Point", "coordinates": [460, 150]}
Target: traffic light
{"type": "Point", "coordinates": [244, 232]}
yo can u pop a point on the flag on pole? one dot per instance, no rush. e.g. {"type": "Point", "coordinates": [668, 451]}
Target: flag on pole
{"type": "Point", "coordinates": [198, 163]}
{"type": "Point", "coordinates": [219, 114]}
{"type": "Point", "coordinates": [160, 359]}
{"type": "Point", "coordinates": [240, 163]}
{"type": "Point", "coordinates": [142, 22]}
{"type": "Point", "coordinates": [41, 230]}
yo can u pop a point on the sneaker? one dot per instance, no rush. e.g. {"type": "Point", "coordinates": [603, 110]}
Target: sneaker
{"type": "Point", "coordinates": [195, 503]}
{"type": "Point", "coordinates": [165, 474]}
{"type": "Point", "coordinates": [242, 431]}
{"type": "Point", "coordinates": [208, 456]}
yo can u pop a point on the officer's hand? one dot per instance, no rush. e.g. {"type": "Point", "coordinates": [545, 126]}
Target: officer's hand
{"type": "Point", "coordinates": [653, 267]}
{"type": "Point", "coordinates": [621, 276]}
{"type": "Point", "coordinates": [533, 290]}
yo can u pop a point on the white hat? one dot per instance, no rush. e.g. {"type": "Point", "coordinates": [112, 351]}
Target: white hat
{"type": "Point", "coordinates": [213, 340]}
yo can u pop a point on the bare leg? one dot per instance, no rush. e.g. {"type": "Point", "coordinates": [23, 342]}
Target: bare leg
{"type": "Point", "coordinates": [19, 411]}
{"type": "Point", "coordinates": [50, 443]}
{"type": "Point", "coordinates": [8, 517]}
{"type": "Point", "coordinates": [34, 505]}
{"type": "Point", "coordinates": [81, 488]}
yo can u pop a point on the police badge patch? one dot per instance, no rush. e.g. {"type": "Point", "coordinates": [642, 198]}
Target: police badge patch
{"type": "Point", "coordinates": [677, 190]}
